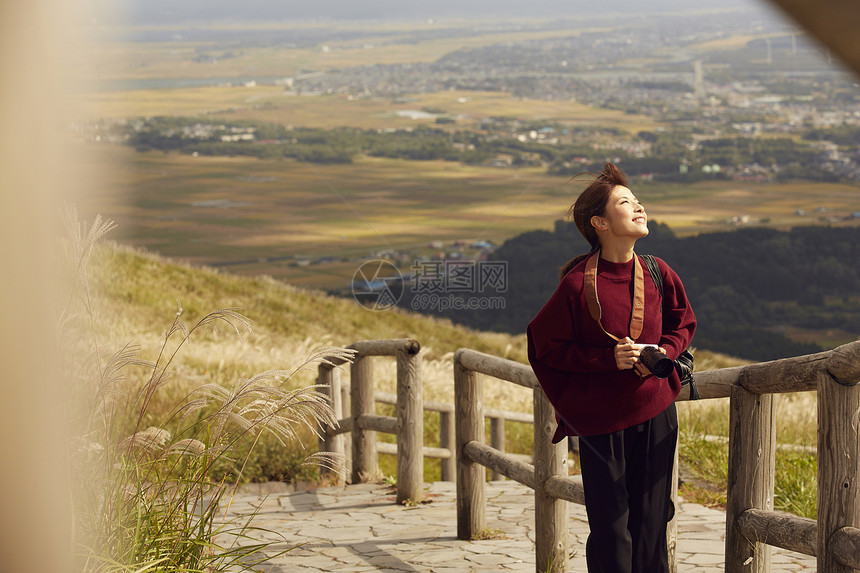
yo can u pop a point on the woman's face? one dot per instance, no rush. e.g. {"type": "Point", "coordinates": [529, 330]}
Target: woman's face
{"type": "Point", "coordinates": [624, 215]}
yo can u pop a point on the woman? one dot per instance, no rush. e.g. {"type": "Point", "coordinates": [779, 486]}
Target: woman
{"type": "Point", "coordinates": [584, 346]}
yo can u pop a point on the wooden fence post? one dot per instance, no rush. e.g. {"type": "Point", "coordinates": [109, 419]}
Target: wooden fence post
{"type": "Point", "coordinates": [469, 419]}
{"type": "Point", "coordinates": [752, 446]}
{"type": "Point", "coordinates": [838, 466]}
{"type": "Point", "coordinates": [497, 440]}
{"type": "Point", "coordinates": [346, 409]}
{"type": "Point", "coordinates": [447, 441]}
{"type": "Point", "coordinates": [672, 526]}
{"type": "Point", "coordinates": [550, 512]}
{"type": "Point", "coordinates": [329, 378]}
{"type": "Point", "coordinates": [364, 458]}
{"type": "Point", "coordinates": [410, 430]}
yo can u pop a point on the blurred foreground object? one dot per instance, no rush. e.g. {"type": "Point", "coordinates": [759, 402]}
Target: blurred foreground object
{"type": "Point", "coordinates": [834, 23]}
{"type": "Point", "coordinates": [34, 516]}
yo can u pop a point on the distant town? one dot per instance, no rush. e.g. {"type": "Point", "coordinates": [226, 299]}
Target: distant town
{"type": "Point", "coordinates": [771, 108]}
{"type": "Point", "coordinates": [733, 98]}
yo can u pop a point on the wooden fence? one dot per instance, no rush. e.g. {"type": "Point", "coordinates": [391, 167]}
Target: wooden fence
{"type": "Point", "coordinates": [407, 424]}
{"type": "Point", "coordinates": [752, 526]}
{"type": "Point", "coordinates": [356, 433]}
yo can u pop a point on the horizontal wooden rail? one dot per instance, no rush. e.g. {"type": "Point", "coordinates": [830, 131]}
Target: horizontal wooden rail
{"type": "Point", "coordinates": [798, 534]}
{"type": "Point", "coordinates": [785, 447]}
{"type": "Point", "coordinates": [496, 367]}
{"type": "Point", "coordinates": [797, 374]}
{"type": "Point", "coordinates": [387, 424]}
{"type": "Point", "coordinates": [790, 532]}
{"type": "Point", "coordinates": [507, 415]}
{"type": "Point", "coordinates": [845, 546]}
{"type": "Point", "coordinates": [391, 399]}
{"type": "Point", "coordinates": [437, 453]}
{"type": "Point", "coordinates": [443, 453]}
{"type": "Point", "coordinates": [566, 488]}
{"type": "Point", "coordinates": [344, 425]}
{"type": "Point", "coordinates": [500, 462]}
{"type": "Point", "coordinates": [380, 348]}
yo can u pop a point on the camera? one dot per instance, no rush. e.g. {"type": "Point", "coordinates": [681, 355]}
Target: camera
{"type": "Point", "coordinates": [657, 362]}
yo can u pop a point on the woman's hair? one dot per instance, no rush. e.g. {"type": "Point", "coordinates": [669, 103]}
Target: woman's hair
{"type": "Point", "coordinates": [592, 201]}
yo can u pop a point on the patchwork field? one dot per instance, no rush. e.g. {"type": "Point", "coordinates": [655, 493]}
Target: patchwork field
{"type": "Point", "coordinates": [168, 53]}
{"type": "Point", "coordinates": [264, 216]}
{"type": "Point", "coordinates": [272, 104]}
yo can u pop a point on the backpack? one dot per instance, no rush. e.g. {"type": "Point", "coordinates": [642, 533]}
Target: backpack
{"type": "Point", "coordinates": [684, 363]}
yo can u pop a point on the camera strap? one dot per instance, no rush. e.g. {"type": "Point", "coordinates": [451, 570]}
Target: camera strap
{"type": "Point", "coordinates": [637, 313]}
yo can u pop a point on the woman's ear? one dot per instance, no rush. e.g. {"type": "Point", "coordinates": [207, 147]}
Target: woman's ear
{"type": "Point", "coordinates": [598, 222]}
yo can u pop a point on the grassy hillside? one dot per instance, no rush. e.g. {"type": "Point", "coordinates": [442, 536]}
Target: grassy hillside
{"type": "Point", "coordinates": [136, 296]}
{"type": "Point", "coordinates": [138, 293]}
{"type": "Point", "coordinates": [136, 301]}
{"type": "Point", "coordinates": [145, 288]}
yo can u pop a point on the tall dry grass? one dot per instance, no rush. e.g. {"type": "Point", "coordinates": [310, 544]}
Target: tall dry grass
{"type": "Point", "coordinates": [154, 462]}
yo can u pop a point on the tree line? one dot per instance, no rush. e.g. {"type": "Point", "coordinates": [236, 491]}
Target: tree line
{"type": "Point", "coordinates": [669, 155]}
{"type": "Point", "coordinates": [746, 286]}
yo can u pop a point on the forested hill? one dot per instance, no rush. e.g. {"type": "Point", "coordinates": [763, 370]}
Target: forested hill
{"type": "Point", "coordinates": [748, 287]}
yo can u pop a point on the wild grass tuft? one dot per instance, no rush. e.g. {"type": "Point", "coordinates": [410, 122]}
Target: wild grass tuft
{"type": "Point", "coordinates": [152, 485]}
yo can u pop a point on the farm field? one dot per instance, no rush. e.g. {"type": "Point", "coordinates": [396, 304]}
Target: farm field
{"type": "Point", "coordinates": [273, 104]}
{"type": "Point", "coordinates": [260, 216]}
{"type": "Point", "coordinates": [168, 54]}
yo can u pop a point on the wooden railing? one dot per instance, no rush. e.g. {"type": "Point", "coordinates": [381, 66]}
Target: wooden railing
{"type": "Point", "coordinates": [751, 524]}
{"type": "Point", "coordinates": [445, 453]}
{"type": "Point", "coordinates": [363, 423]}
{"type": "Point", "coordinates": [547, 476]}
{"type": "Point", "coordinates": [356, 433]}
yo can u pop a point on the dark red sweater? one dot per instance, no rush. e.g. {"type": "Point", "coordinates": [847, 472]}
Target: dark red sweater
{"type": "Point", "coordinates": [574, 359]}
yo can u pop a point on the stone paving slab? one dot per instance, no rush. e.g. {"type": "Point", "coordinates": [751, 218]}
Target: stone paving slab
{"type": "Point", "coordinates": [361, 528]}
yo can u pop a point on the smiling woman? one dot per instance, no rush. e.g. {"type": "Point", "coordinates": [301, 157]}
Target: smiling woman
{"type": "Point", "coordinates": [622, 218]}
{"type": "Point", "coordinates": [586, 356]}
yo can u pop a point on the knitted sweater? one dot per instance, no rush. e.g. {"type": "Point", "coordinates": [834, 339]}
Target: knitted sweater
{"type": "Point", "coordinates": [574, 359]}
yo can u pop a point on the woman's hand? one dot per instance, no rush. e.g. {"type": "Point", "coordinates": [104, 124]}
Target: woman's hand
{"type": "Point", "coordinates": [626, 353]}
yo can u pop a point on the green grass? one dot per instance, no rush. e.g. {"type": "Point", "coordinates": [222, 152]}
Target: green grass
{"type": "Point", "coordinates": [795, 481]}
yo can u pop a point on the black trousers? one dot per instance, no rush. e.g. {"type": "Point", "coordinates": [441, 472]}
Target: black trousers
{"type": "Point", "coordinates": [627, 477]}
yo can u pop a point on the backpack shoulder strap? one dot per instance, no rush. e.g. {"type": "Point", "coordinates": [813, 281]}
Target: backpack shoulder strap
{"type": "Point", "coordinates": [654, 270]}
{"type": "Point", "coordinates": [684, 363]}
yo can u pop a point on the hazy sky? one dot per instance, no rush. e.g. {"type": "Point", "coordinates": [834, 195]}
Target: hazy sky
{"type": "Point", "coordinates": [177, 11]}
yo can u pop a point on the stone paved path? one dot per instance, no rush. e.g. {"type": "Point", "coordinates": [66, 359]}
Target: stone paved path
{"type": "Point", "coordinates": [360, 528]}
